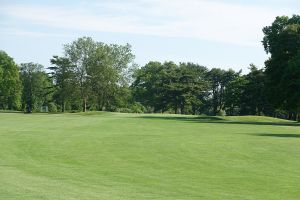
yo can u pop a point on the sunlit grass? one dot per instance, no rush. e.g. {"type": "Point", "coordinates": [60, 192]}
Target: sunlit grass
{"type": "Point", "coordinates": [147, 156]}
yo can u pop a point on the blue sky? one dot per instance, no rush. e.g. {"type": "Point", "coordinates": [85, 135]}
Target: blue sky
{"type": "Point", "coordinates": [214, 33]}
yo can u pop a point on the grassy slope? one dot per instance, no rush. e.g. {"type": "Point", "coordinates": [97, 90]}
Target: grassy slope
{"type": "Point", "coordinates": [125, 156]}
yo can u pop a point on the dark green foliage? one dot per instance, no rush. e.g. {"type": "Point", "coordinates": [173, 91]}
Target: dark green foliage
{"type": "Point", "coordinates": [220, 80]}
{"type": "Point", "coordinates": [188, 88]}
{"type": "Point", "coordinates": [63, 75]}
{"type": "Point", "coordinates": [147, 87]}
{"type": "Point", "coordinates": [36, 87]}
{"type": "Point", "coordinates": [292, 84]}
{"type": "Point", "coordinates": [282, 41]}
{"type": "Point", "coordinates": [255, 101]}
{"type": "Point", "coordinates": [235, 95]}
{"type": "Point", "coordinates": [164, 86]}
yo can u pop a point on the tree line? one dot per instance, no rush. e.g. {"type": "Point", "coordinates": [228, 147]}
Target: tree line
{"type": "Point", "coordinates": [93, 75]}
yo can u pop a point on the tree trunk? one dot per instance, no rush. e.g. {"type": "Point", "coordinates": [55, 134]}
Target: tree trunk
{"type": "Point", "coordinates": [84, 104]}
{"type": "Point", "coordinates": [63, 106]}
{"type": "Point", "coordinates": [182, 110]}
{"type": "Point", "coordinates": [99, 105]}
{"type": "Point", "coordinates": [194, 110]}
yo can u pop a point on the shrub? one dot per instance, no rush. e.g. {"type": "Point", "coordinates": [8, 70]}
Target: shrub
{"type": "Point", "coordinates": [52, 107]}
{"type": "Point", "coordinates": [124, 110]}
{"type": "Point", "coordinates": [221, 113]}
{"type": "Point", "coordinates": [137, 108]}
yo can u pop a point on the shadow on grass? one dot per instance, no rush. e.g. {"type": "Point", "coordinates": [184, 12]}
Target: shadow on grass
{"type": "Point", "coordinates": [261, 123]}
{"type": "Point", "coordinates": [277, 135]}
{"type": "Point", "coordinates": [55, 113]}
{"type": "Point", "coordinates": [10, 111]}
{"type": "Point", "coordinates": [186, 118]}
{"type": "Point", "coordinates": [219, 120]}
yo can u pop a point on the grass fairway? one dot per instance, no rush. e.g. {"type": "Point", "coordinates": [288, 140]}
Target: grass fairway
{"type": "Point", "coordinates": [126, 156]}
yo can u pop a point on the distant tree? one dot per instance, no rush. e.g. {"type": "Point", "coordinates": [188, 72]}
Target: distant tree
{"type": "Point", "coordinates": [234, 94]}
{"type": "Point", "coordinates": [100, 69]}
{"type": "Point", "coordinates": [148, 86]}
{"type": "Point", "coordinates": [254, 100]}
{"type": "Point", "coordinates": [123, 97]}
{"type": "Point", "coordinates": [192, 85]}
{"type": "Point", "coordinates": [108, 72]}
{"type": "Point", "coordinates": [219, 80]}
{"type": "Point", "coordinates": [10, 84]}
{"type": "Point", "coordinates": [79, 53]}
{"type": "Point", "coordinates": [122, 61]}
{"type": "Point", "coordinates": [170, 86]}
{"type": "Point", "coordinates": [63, 75]}
{"type": "Point", "coordinates": [36, 87]}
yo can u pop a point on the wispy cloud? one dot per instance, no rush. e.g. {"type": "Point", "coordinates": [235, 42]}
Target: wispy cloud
{"type": "Point", "coordinates": [20, 32]}
{"type": "Point", "coordinates": [200, 19]}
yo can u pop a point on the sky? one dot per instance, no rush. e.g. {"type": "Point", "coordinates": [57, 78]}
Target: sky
{"type": "Point", "coordinates": [214, 33]}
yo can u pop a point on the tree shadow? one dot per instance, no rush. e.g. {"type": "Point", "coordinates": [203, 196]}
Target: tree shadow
{"type": "Point", "coordinates": [185, 118]}
{"type": "Point", "coordinates": [277, 135]}
{"type": "Point", "coordinates": [260, 123]}
{"type": "Point", "coordinates": [10, 111]}
{"type": "Point", "coordinates": [219, 120]}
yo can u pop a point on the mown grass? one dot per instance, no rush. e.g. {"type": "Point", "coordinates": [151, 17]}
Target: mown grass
{"type": "Point", "coordinates": [130, 156]}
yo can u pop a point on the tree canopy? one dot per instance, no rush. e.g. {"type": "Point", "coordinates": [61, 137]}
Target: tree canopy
{"type": "Point", "coordinates": [282, 41]}
{"type": "Point", "coordinates": [10, 85]}
{"type": "Point", "coordinates": [92, 75]}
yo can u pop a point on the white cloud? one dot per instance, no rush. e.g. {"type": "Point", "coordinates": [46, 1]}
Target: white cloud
{"type": "Point", "coordinates": [200, 19]}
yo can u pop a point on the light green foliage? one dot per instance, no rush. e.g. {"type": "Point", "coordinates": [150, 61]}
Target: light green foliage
{"type": "Point", "coordinates": [10, 85]}
{"type": "Point", "coordinates": [79, 53]}
{"type": "Point", "coordinates": [100, 69]}
{"type": "Point", "coordinates": [134, 156]}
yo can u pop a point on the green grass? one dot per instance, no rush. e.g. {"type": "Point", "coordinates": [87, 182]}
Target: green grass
{"type": "Point", "coordinates": [126, 156]}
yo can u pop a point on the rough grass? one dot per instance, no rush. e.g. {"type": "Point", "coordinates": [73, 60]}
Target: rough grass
{"type": "Point", "coordinates": [127, 156]}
